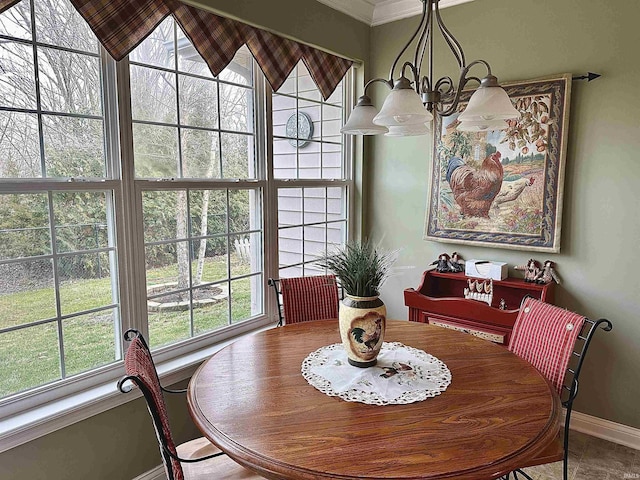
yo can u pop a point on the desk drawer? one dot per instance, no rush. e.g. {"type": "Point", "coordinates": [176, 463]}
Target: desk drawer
{"type": "Point", "coordinates": [486, 334]}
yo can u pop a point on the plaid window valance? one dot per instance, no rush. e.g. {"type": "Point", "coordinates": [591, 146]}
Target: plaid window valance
{"type": "Point", "coordinates": [121, 25]}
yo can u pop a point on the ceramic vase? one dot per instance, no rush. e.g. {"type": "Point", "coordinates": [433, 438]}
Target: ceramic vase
{"type": "Point", "coordinates": [362, 325]}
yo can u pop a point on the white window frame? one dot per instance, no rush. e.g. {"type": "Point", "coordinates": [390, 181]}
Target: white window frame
{"type": "Point", "coordinates": [37, 412]}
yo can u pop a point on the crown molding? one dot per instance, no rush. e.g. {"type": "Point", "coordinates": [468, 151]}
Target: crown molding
{"type": "Point", "coordinates": [362, 10]}
{"type": "Point", "coordinates": [392, 10]}
{"type": "Point", "coordinates": [376, 12]}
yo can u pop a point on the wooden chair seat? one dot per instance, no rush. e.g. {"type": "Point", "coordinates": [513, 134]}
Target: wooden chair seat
{"type": "Point", "coordinates": [218, 468]}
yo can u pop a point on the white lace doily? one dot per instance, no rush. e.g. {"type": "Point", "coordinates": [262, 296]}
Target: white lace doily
{"type": "Point", "coordinates": [402, 375]}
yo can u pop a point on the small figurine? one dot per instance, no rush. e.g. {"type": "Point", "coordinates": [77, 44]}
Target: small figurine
{"type": "Point", "coordinates": [456, 263]}
{"type": "Point", "coordinates": [548, 273]}
{"type": "Point", "coordinates": [503, 304]}
{"type": "Point", "coordinates": [442, 264]}
{"type": "Point", "coordinates": [531, 270]}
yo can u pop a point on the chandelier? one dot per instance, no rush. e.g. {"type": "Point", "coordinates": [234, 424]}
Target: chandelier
{"type": "Point", "coordinates": [414, 99]}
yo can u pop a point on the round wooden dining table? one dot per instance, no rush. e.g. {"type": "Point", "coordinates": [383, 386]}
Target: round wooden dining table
{"type": "Point", "coordinates": [251, 400]}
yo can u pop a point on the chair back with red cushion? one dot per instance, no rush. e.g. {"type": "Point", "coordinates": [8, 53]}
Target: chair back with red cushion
{"type": "Point", "coordinates": [309, 298]}
{"type": "Point", "coordinates": [545, 336]}
{"type": "Point", "coordinates": [141, 370]}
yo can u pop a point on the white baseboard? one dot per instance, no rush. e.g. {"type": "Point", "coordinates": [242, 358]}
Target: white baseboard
{"type": "Point", "coordinates": [606, 430]}
{"type": "Point", "coordinates": [580, 422]}
{"type": "Point", "coordinates": [154, 474]}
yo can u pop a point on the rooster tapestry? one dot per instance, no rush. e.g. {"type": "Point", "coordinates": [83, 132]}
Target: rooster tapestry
{"type": "Point", "coordinates": [503, 188]}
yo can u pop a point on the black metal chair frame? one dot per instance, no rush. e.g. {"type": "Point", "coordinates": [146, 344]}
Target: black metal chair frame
{"type": "Point", "coordinates": [124, 385]}
{"type": "Point", "coordinates": [571, 376]}
{"type": "Point", "coordinates": [275, 283]}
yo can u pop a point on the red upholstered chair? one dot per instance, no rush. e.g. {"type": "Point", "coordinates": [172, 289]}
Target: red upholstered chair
{"type": "Point", "coordinates": [306, 298]}
{"type": "Point", "coordinates": [555, 341]}
{"type": "Point", "coordinates": [195, 460]}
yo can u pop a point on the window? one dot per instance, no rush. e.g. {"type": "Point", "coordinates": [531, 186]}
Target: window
{"type": "Point", "coordinates": [58, 260]}
{"type": "Point", "coordinates": [150, 208]}
{"type": "Point", "coordinates": [311, 172]}
{"type": "Point", "coordinates": [203, 246]}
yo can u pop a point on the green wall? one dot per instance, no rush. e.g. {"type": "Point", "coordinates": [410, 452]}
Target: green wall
{"type": "Point", "coordinates": [521, 40]}
{"type": "Point", "coordinates": [120, 443]}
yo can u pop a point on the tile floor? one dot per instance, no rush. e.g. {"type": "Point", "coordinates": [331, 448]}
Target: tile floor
{"type": "Point", "coordinates": [591, 458]}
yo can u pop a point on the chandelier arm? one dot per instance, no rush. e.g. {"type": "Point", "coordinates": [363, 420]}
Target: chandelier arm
{"type": "Point", "coordinates": [425, 38]}
{"type": "Point", "coordinates": [477, 62]}
{"type": "Point", "coordinates": [413, 37]}
{"type": "Point", "coordinates": [414, 72]}
{"type": "Point", "coordinates": [388, 83]}
{"type": "Point", "coordinates": [454, 45]}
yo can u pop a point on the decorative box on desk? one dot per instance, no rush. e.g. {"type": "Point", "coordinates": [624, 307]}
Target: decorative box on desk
{"type": "Point", "coordinates": [439, 300]}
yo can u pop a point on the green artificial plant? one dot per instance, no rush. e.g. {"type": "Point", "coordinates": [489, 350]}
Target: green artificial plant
{"type": "Point", "coordinates": [360, 267]}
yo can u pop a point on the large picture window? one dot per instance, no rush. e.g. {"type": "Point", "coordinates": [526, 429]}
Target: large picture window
{"type": "Point", "coordinates": [146, 203]}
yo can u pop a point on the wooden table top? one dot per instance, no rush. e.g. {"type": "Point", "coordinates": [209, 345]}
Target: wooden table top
{"type": "Point", "coordinates": [251, 400]}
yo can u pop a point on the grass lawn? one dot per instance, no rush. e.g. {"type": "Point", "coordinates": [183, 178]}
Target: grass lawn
{"type": "Point", "coordinates": [30, 357]}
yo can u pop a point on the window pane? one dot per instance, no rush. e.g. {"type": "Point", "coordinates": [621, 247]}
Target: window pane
{"type": "Point", "coordinates": [73, 147]}
{"type": "Point", "coordinates": [153, 95]}
{"type": "Point", "coordinates": [19, 145]}
{"type": "Point", "coordinates": [331, 123]}
{"type": "Point", "coordinates": [16, 21]}
{"type": "Point", "coordinates": [309, 161]}
{"type": "Point", "coordinates": [88, 341]}
{"type": "Point", "coordinates": [236, 108]}
{"type": "Point", "coordinates": [85, 282]}
{"type": "Point", "coordinates": [162, 268]}
{"type": "Point", "coordinates": [17, 81]}
{"type": "Point", "coordinates": [24, 225]}
{"type": "Point", "coordinates": [315, 206]}
{"type": "Point", "coordinates": [208, 210]}
{"type": "Point", "coordinates": [199, 102]}
{"type": "Point", "coordinates": [214, 315]}
{"type": "Point", "coordinates": [200, 153]}
{"type": "Point", "coordinates": [81, 221]}
{"type": "Point", "coordinates": [237, 156]}
{"type": "Point", "coordinates": [239, 211]}
{"type": "Point", "coordinates": [58, 23]}
{"type": "Point", "coordinates": [169, 320]}
{"type": "Point", "coordinates": [210, 263]}
{"type": "Point", "coordinates": [161, 214]}
{"type": "Point", "coordinates": [158, 48]}
{"type": "Point", "coordinates": [29, 296]}
{"type": "Point", "coordinates": [243, 299]}
{"type": "Point", "coordinates": [156, 151]}
{"type": "Point", "coordinates": [25, 368]}
{"type": "Point", "coordinates": [290, 246]}
{"type": "Point", "coordinates": [289, 206]}
{"type": "Point", "coordinates": [285, 159]}
{"type": "Point", "coordinates": [244, 259]}
{"type": "Point", "coordinates": [69, 82]}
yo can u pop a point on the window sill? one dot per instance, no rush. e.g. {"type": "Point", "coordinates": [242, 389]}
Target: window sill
{"type": "Point", "coordinates": [44, 419]}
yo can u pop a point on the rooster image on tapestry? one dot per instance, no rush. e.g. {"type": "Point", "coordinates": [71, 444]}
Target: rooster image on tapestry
{"type": "Point", "coordinates": [365, 333]}
{"type": "Point", "coordinates": [474, 189]}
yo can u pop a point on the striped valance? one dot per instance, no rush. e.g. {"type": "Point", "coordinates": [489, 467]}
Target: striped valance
{"type": "Point", "coordinates": [121, 25]}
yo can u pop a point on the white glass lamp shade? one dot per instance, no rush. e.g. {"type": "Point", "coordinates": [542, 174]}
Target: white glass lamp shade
{"type": "Point", "coordinates": [360, 122]}
{"type": "Point", "coordinates": [489, 103]}
{"type": "Point", "coordinates": [408, 130]}
{"type": "Point", "coordinates": [482, 125]}
{"type": "Point", "coordinates": [402, 107]}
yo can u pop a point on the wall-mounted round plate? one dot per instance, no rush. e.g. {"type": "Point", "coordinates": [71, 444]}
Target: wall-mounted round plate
{"type": "Point", "coordinates": [300, 128]}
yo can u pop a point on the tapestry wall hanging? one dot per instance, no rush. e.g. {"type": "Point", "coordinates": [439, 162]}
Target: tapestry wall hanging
{"type": "Point", "coordinates": [503, 188]}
